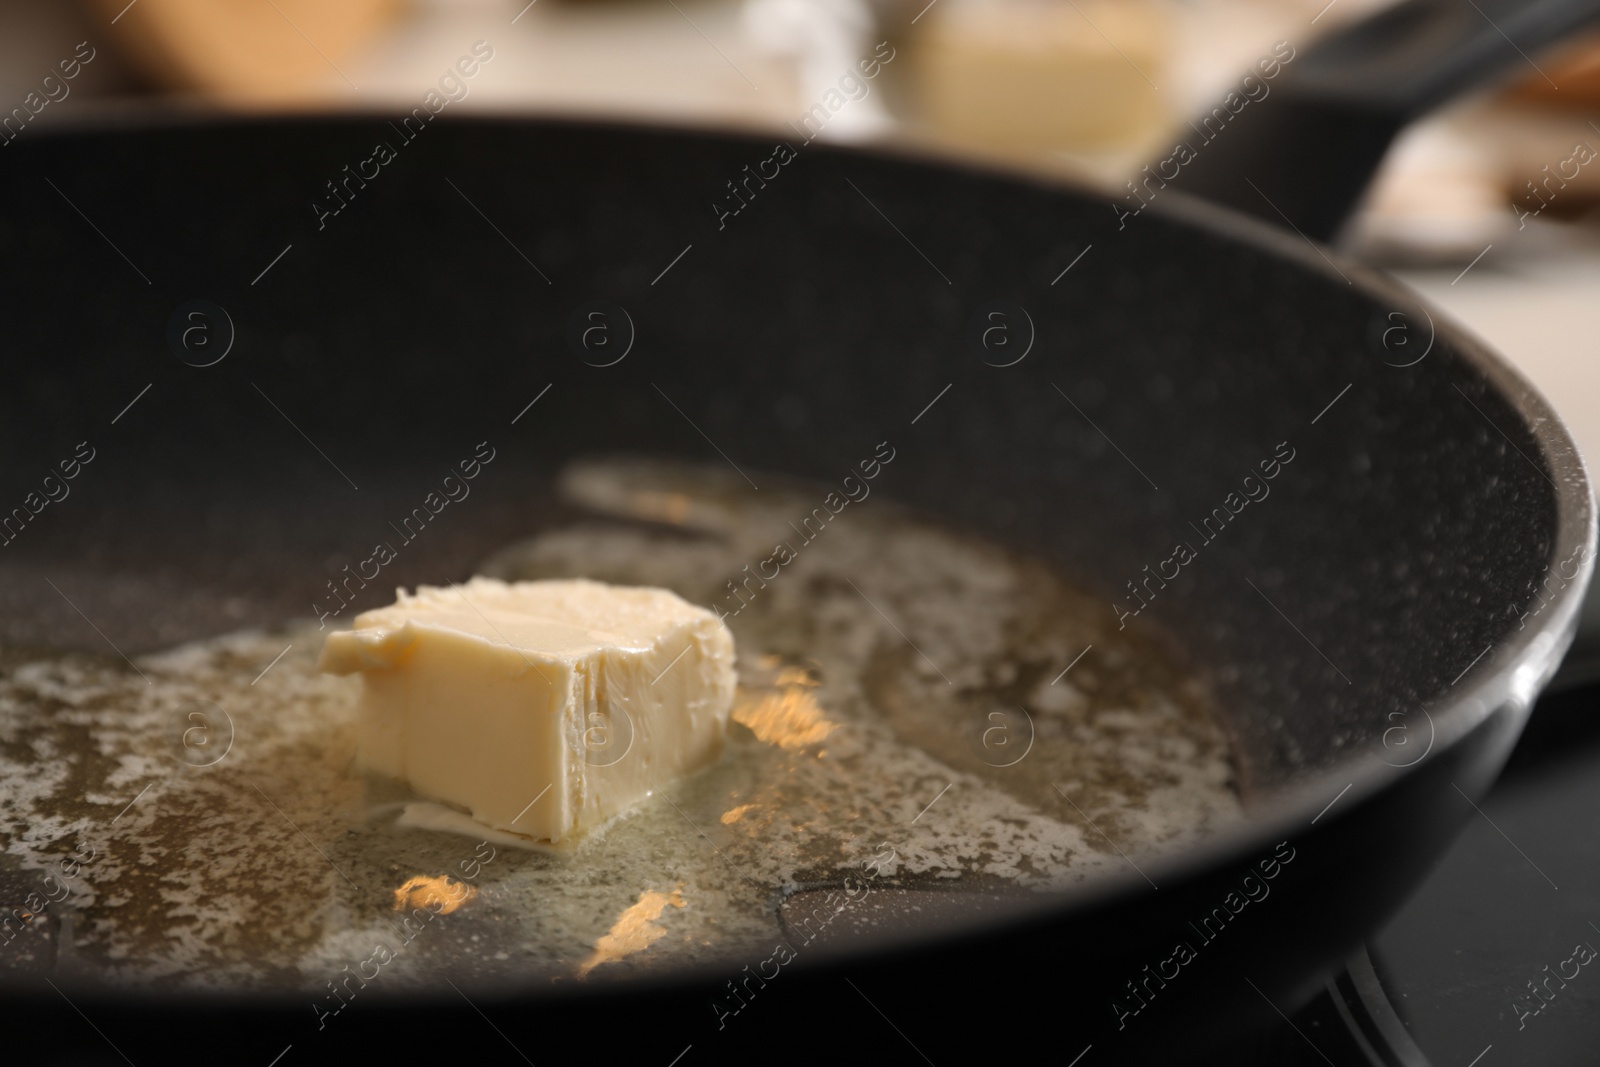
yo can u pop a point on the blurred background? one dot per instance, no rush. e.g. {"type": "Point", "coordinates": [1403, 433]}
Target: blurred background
{"type": "Point", "coordinates": [1088, 90]}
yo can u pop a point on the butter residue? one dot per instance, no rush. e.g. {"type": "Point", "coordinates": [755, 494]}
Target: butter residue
{"type": "Point", "coordinates": [422, 890]}
{"type": "Point", "coordinates": [634, 931]}
{"type": "Point", "coordinates": [733, 815]}
{"type": "Point", "coordinates": [789, 717]}
{"type": "Point", "coordinates": [792, 675]}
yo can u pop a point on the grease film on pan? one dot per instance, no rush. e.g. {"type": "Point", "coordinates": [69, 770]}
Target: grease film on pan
{"type": "Point", "coordinates": [928, 710]}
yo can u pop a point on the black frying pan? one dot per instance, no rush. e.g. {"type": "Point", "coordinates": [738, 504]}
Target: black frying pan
{"type": "Point", "coordinates": [1400, 578]}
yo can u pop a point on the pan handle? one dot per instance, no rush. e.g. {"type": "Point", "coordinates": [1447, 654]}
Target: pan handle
{"type": "Point", "coordinates": [1304, 153]}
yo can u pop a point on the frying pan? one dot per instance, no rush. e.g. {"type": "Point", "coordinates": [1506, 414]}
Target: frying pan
{"type": "Point", "coordinates": [1375, 631]}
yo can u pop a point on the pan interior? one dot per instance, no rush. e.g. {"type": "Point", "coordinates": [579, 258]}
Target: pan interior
{"type": "Point", "coordinates": [1409, 522]}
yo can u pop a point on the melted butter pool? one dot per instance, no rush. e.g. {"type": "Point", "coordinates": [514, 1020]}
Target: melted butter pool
{"type": "Point", "coordinates": [906, 717]}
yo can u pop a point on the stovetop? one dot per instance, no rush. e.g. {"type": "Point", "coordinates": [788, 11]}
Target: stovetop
{"type": "Point", "coordinates": [1496, 960]}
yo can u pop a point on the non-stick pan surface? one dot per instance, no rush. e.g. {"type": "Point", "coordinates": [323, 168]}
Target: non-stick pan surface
{"type": "Point", "coordinates": [1375, 629]}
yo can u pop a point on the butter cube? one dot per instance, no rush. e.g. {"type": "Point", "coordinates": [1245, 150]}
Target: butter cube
{"type": "Point", "coordinates": [1028, 76]}
{"type": "Point", "coordinates": [543, 708]}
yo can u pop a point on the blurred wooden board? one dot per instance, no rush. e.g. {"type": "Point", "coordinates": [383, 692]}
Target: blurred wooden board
{"type": "Point", "coordinates": [1570, 77]}
{"type": "Point", "coordinates": [247, 50]}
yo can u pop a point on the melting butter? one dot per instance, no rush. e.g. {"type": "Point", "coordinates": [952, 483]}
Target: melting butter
{"type": "Point", "coordinates": [634, 931]}
{"type": "Point", "coordinates": [188, 885]}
